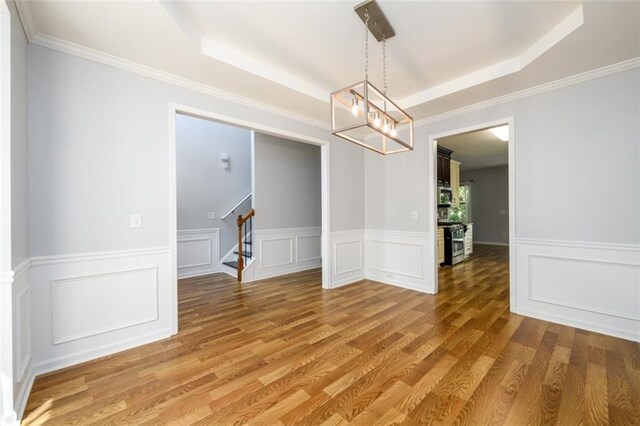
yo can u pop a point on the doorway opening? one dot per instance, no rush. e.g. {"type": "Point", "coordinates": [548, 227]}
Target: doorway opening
{"type": "Point", "coordinates": [225, 170]}
{"type": "Point", "coordinates": [474, 207]}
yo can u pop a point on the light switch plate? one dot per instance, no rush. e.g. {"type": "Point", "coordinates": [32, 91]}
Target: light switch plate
{"type": "Point", "coordinates": [211, 215]}
{"type": "Point", "coordinates": [414, 215]}
{"type": "Point", "coordinates": [135, 221]}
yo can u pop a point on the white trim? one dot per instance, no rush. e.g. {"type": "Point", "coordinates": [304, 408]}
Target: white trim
{"type": "Point", "coordinates": [261, 69]}
{"type": "Point", "coordinates": [582, 324]}
{"type": "Point", "coordinates": [598, 308]}
{"type": "Point", "coordinates": [297, 253]}
{"type": "Point", "coordinates": [491, 243]}
{"type": "Point", "coordinates": [353, 274]}
{"type": "Point", "coordinates": [433, 139]}
{"type": "Point", "coordinates": [25, 19]}
{"type": "Point", "coordinates": [7, 379]}
{"type": "Point", "coordinates": [84, 52]}
{"type": "Point", "coordinates": [197, 268]}
{"type": "Point", "coordinates": [536, 90]}
{"type": "Point", "coordinates": [87, 355]}
{"type": "Point", "coordinates": [22, 267]}
{"type": "Point", "coordinates": [325, 167]}
{"type": "Point", "coordinates": [580, 244]}
{"type": "Point", "coordinates": [80, 51]}
{"type": "Point", "coordinates": [95, 256]}
{"type": "Point", "coordinates": [510, 66]}
{"type": "Point", "coordinates": [25, 391]}
{"type": "Point", "coordinates": [226, 215]}
{"type": "Point", "coordinates": [572, 305]}
{"type": "Point", "coordinates": [55, 310]}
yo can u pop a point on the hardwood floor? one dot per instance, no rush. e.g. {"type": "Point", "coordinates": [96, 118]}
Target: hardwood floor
{"type": "Point", "coordinates": [286, 351]}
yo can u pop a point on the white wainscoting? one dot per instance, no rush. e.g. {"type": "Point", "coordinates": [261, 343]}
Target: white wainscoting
{"type": "Point", "coordinates": [347, 264]}
{"type": "Point", "coordinates": [90, 305]}
{"type": "Point", "coordinates": [591, 286]}
{"type": "Point", "coordinates": [23, 376]}
{"type": "Point", "coordinates": [198, 252]}
{"type": "Point", "coordinates": [283, 251]}
{"type": "Point", "coordinates": [403, 259]}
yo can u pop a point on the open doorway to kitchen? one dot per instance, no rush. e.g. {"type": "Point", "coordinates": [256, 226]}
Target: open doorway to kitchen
{"type": "Point", "coordinates": [474, 209]}
{"type": "Point", "coordinates": [279, 188]}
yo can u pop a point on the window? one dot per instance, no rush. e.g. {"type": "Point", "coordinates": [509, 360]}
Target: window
{"type": "Point", "coordinates": [462, 213]}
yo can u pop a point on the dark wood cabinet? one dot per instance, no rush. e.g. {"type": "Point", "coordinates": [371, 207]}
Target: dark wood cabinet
{"type": "Point", "coordinates": [444, 166]}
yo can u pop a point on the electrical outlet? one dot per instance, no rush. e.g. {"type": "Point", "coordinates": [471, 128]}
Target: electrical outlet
{"type": "Point", "coordinates": [135, 221]}
{"type": "Point", "coordinates": [211, 215]}
{"type": "Point", "coordinates": [414, 215]}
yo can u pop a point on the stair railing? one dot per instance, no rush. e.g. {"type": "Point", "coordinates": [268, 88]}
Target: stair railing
{"type": "Point", "coordinates": [245, 228]}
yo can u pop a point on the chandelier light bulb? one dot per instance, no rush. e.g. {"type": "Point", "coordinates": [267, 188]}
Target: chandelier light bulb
{"type": "Point", "coordinates": [394, 130]}
{"type": "Point", "coordinates": [376, 119]}
{"type": "Point", "coordinates": [354, 106]}
{"type": "Point", "coordinates": [385, 126]}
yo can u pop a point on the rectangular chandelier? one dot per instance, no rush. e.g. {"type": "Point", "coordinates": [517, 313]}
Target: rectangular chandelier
{"type": "Point", "coordinates": [362, 114]}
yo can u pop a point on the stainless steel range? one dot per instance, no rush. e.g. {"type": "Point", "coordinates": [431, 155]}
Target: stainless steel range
{"type": "Point", "coordinates": [453, 243]}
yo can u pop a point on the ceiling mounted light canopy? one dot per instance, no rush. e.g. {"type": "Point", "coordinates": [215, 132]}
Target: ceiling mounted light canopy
{"type": "Point", "coordinates": [361, 113]}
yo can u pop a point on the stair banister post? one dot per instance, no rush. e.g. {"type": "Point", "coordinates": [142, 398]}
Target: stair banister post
{"type": "Point", "coordinates": [240, 258]}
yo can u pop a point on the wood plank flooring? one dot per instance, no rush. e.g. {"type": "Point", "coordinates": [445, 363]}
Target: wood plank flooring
{"type": "Point", "coordinates": [284, 351]}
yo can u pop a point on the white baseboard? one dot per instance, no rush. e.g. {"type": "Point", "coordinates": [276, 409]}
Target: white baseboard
{"type": "Point", "coordinates": [25, 391]}
{"type": "Point", "coordinates": [199, 273]}
{"type": "Point", "coordinates": [491, 243]}
{"type": "Point", "coordinates": [91, 354]}
{"type": "Point", "coordinates": [347, 281]}
{"type": "Point", "coordinates": [398, 283]}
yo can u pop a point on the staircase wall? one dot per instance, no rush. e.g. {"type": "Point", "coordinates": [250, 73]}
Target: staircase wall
{"type": "Point", "coordinates": [203, 185]}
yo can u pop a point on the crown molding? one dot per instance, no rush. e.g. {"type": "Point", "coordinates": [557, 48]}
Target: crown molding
{"type": "Point", "coordinates": [536, 90]}
{"type": "Point", "coordinates": [116, 62]}
{"type": "Point", "coordinates": [25, 19]}
{"type": "Point", "coordinates": [83, 52]}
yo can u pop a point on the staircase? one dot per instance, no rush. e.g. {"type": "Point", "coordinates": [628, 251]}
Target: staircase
{"type": "Point", "coordinates": [244, 253]}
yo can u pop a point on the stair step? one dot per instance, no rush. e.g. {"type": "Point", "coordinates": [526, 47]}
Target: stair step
{"type": "Point", "coordinates": [245, 254]}
{"type": "Point", "coordinates": [232, 264]}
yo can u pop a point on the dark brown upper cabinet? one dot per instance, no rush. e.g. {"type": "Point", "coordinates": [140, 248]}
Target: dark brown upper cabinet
{"type": "Point", "coordinates": [444, 166]}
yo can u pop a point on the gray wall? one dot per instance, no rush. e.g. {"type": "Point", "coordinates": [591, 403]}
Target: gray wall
{"type": "Point", "coordinates": [99, 151]}
{"type": "Point", "coordinates": [576, 150]}
{"type": "Point", "coordinates": [489, 203]}
{"type": "Point", "coordinates": [202, 184]}
{"type": "Point", "coordinates": [288, 183]}
{"type": "Point", "coordinates": [19, 143]}
{"type": "Point", "coordinates": [347, 185]}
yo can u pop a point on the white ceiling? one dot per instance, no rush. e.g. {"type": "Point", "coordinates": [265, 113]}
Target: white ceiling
{"type": "Point", "coordinates": [293, 54]}
{"type": "Point", "coordinates": [477, 150]}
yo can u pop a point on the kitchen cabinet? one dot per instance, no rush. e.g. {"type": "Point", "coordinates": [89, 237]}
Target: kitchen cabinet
{"type": "Point", "coordinates": [440, 240]}
{"type": "Point", "coordinates": [468, 240]}
{"type": "Point", "coordinates": [455, 182]}
{"type": "Point", "coordinates": [444, 166]}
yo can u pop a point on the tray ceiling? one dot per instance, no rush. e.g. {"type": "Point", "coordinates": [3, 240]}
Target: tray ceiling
{"type": "Point", "coordinates": [293, 54]}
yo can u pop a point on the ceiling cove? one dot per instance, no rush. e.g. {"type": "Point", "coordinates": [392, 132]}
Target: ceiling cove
{"type": "Point", "coordinates": [222, 52]}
